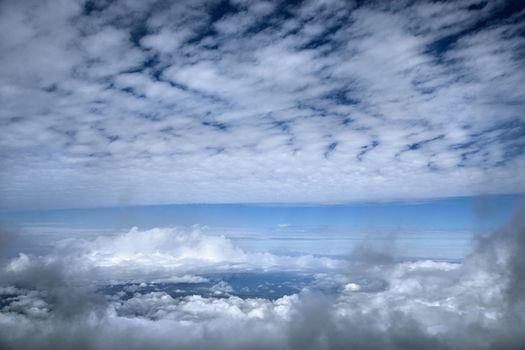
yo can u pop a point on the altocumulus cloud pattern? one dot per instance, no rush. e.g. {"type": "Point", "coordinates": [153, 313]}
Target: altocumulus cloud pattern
{"type": "Point", "coordinates": [239, 101]}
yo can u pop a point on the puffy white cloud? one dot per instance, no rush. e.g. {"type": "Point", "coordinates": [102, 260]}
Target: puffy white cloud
{"type": "Point", "coordinates": [371, 302]}
{"type": "Point", "coordinates": [427, 303]}
{"type": "Point", "coordinates": [161, 255]}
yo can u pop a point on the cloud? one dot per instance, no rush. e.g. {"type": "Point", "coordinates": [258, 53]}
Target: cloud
{"type": "Point", "coordinates": [8, 238]}
{"type": "Point", "coordinates": [171, 254]}
{"type": "Point", "coordinates": [159, 255]}
{"type": "Point", "coordinates": [501, 254]}
{"type": "Point", "coordinates": [366, 304]}
{"type": "Point", "coordinates": [182, 279]}
{"type": "Point", "coordinates": [322, 101]}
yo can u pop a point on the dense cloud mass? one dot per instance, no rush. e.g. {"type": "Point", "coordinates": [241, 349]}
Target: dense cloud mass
{"type": "Point", "coordinates": [106, 102]}
{"type": "Point", "coordinates": [367, 302]}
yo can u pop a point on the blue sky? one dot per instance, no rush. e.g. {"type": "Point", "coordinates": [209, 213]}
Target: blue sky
{"type": "Point", "coordinates": [317, 102]}
{"type": "Point", "coordinates": [439, 229]}
{"type": "Point", "coordinates": [465, 213]}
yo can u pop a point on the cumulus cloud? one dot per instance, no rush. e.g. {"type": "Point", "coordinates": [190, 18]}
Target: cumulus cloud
{"type": "Point", "coordinates": [173, 254]}
{"type": "Point", "coordinates": [241, 101]}
{"type": "Point", "coordinates": [390, 304]}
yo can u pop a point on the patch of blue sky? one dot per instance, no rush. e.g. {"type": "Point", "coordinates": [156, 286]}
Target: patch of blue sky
{"type": "Point", "coordinates": [472, 213]}
{"type": "Point", "coordinates": [438, 229]}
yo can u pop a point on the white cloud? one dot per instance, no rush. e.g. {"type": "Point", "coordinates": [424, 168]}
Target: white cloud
{"type": "Point", "coordinates": [354, 103]}
{"type": "Point", "coordinates": [165, 255]}
{"type": "Point", "coordinates": [370, 302]}
{"type": "Point", "coordinates": [426, 304]}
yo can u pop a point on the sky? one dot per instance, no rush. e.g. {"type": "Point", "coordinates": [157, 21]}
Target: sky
{"type": "Point", "coordinates": [110, 103]}
{"type": "Point", "coordinates": [466, 213]}
{"type": "Point", "coordinates": [243, 174]}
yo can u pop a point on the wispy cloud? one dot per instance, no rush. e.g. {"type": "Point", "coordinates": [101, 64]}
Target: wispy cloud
{"type": "Point", "coordinates": [322, 101]}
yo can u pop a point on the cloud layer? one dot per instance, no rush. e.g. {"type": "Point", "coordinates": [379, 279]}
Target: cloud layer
{"type": "Point", "coordinates": [147, 102]}
{"type": "Point", "coordinates": [371, 301]}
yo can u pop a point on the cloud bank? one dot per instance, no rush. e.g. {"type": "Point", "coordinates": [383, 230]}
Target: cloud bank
{"type": "Point", "coordinates": [105, 103]}
{"type": "Point", "coordinates": [366, 303]}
